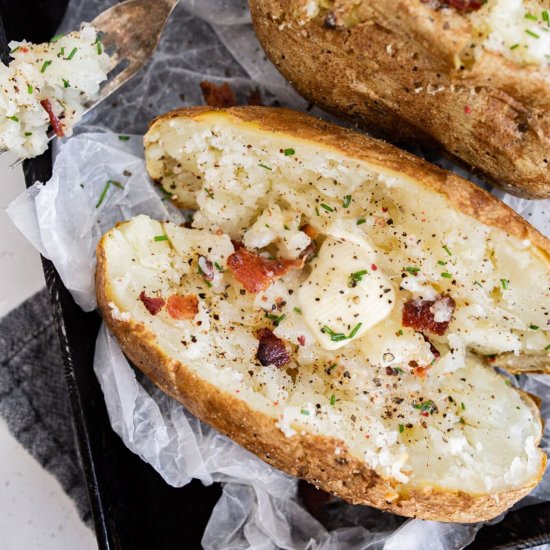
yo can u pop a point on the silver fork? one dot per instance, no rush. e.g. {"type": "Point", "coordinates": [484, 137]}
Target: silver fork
{"type": "Point", "coordinates": [133, 30]}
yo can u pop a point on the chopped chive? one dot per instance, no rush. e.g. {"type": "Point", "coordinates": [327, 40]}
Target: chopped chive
{"type": "Point", "coordinates": [279, 320]}
{"type": "Point", "coordinates": [289, 152]}
{"type": "Point", "coordinates": [401, 428]}
{"type": "Point", "coordinates": [209, 193]}
{"type": "Point", "coordinates": [267, 225]}
{"type": "Point", "coordinates": [14, 50]}
{"type": "Point", "coordinates": [531, 33]}
{"type": "Point", "coordinates": [412, 270]}
{"type": "Point", "coordinates": [65, 83]}
{"type": "Point", "coordinates": [546, 17]}
{"type": "Point", "coordinates": [358, 275]}
{"type": "Point", "coordinates": [62, 51]}
{"type": "Point", "coordinates": [513, 47]}
{"type": "Point", "coordinates": [331, 368]}
{"type": "Point", "coordinates": [334, 336]}
{"type": "Point", "coordinates": [446, 249]}
{"type": "Point", "coordinates": [361, 221]}
{"type": "Point", "coordinates": [478, 284]}
{"type": "Point", "coordinates": [547, 347]}
{"type": "Point", "coordinates": [355, 330]}
{"type": "Point", "coordinates": [326, 207]}
{"type": "Point", "coordinates": [399, 370]}
{"type": "Point", "coordinates": [347, 200]}
{"type": "Point", "coordinates": [45, 65]}
{"type": "Point", "coordinates": [304, 412]}
{"type": "Point", "coordinates": [531, 17]}
{"type": "Point", "coordinates": [463, 406]}
{"type": "Point", "coordinates": [446, 275]}
{"type": "Point", "coordinates": [105, 189]}
{"type": "Point", "coordinates": [14, 118]}
{"type": "Point", "coordinates": [71, 55]}
{"type": "Point", "coordinates": [265, 166]}
{"type": "Point", "coordinates": [286, 227]}
{"type": "Point", "coordinates": [400, 332]}
{"type": "Point", "coordinates": [297, 310]}
{"type": "Point", "coordinates": [317, 211]}
{"type": "Point", "coordinates": [505, 284]}
{"type": "Point", "coordinates": [27, 134]}
{"type": "Point", "coordinates": [441, 262]}
{"type": "Point", "coordinates": [534, 327]}
{"type": "Point", "coordinates": [218, 267]}
{"type": "Point", "coordinates": [161, 238]}
{"type": "Point", "coordinates": [332, 399]}
{"type": "Point", "coordinates": [99, 48]}
{"type": "Point", "coordinates": [29, 88]}
{"type": "Point", "coordinates": [124, 138]}
{"type": "Point", "coordinates": [56, 38]}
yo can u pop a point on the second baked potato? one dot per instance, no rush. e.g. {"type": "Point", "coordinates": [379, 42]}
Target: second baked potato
{"type": "Point", "coordinates": [468, 76]}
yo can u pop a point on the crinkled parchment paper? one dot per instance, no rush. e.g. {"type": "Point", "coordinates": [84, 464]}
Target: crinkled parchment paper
{"type": "Point", "coordinates": [259, 507]}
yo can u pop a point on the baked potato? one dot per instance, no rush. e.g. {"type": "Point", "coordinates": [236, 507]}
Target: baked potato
{"type": "Point", "coordinates": [470, 77]}
{"type": "Point", "coordinates": [331, 308]}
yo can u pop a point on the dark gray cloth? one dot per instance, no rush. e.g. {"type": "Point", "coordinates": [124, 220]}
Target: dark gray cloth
{"type": "Point", "coordinates": [33, 395]}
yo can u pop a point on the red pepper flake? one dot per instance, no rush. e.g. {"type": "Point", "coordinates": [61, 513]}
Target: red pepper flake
{"type": "Point", "coordinates": [467, 109]}
{"type": "Point", "coordinates": [418, 314]}
{"type": "Point", "coordinates": [218, 95]}
{"type": "Point", "coordinates": [54, 121]}
{"type": "Point", "coordinates": [459, 5]}
{"type": "Point", "coordinates": [152, 305]}
{"type": "Point", "coordinates": [271, 349]}
{"type": "Point", "coordinates": [255, 272]}
{"type": "Point", "coordinates": [302, 340]}
{"type": "Point", "coordinates": [374, 267]}
{"type": "Point", "coordinates": [182, 307]}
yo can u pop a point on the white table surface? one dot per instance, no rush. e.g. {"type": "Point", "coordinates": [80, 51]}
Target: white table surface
{"type": "Point", "coordinates": [34, 511]}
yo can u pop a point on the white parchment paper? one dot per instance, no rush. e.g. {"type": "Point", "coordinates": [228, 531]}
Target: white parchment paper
{"type": "Point", "coordinates": [63, 219]}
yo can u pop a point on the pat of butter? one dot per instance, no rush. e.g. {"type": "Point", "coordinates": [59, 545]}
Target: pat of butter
{"type": "Point", "coordinates": [344, 296]}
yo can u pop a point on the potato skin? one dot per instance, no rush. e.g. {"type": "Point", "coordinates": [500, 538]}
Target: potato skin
{"type": "Point", "coordinates": [314, 457]}
{"type": "Point", "coordinates": [310, 457]}
{"type": "Point", "coordinates": [392, 73]}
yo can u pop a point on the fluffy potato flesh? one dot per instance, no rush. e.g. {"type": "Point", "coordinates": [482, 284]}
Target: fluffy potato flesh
{"type": "Point", "coordinates": [418, 407]}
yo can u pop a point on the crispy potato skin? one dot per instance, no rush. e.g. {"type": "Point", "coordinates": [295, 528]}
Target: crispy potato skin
{"type": "Point", "coordinates": [393, 73]}
{"type": "Point", "coordinates": [313, 457]}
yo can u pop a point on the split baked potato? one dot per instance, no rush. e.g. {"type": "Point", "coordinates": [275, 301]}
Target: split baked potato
{"type": "Point", "coordinates": [471, 77]}
{"type": "Point", "coordinates": [331, 308]}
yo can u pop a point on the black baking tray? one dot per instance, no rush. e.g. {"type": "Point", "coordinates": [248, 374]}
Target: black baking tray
{"type": "Point", "coordinates": [131, 505]}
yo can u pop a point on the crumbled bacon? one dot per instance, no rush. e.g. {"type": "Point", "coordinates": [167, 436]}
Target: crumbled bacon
{"type": "Point", "coordinates": [301, 340]}
{"type": "Point", "coordinates": [218, 96]}
{"type": "Point", "coordinates": [271, 349]}
{"type": "Point", "coordinates": [54, 121]}
{"type": "Point", "coordinates": [460, 5]}
{"type": "Point", "coordinates": [182, 307]}
{"type": "Point", "coordinates": [207, 268]}
{"type": "Point", "coordinates": [152, 305]}
{"type": "Point", "coordinates": [255, 272]}
{"type": "Point", "coordinates": [309, 231]}
{"type": "Point", "coordinates": [418, 314]}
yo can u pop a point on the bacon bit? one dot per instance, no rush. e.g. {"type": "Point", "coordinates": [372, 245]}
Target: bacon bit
{"type": "Point", "coordinates": [374, 267]}
{"type": "Point", "coordinates": [218, 96]}
{"type": "Point", "coordinates": [384, 209]}
{"type": "Point", "coordinates": [312, 498]}
{"type": "Point", "coordinates": [460, 5]}
{"type": "Point", "coordinates": [54, 121]}
{"type": "Point", "coordinates": [467, 109]}
{"type": "Point", "coordinates": [418, 315]}
{"type": "Point", "coordinates": [206, 268]}
{"type": "Point", "coordinates": [182, 307]}
{"type": "Point", "coordinates": [255, 272]}
{"type": "Point", "coordinates": [24, 49]}
{"type": "Point", "coordinates": [302, 340]}
{"type": "Point", "coordinates": [309, 231]}
{"type": "Point", "coordinates": [152, 305]}
{"type": "Point", "coordinates": [424, 424]}
{"type": "Point", "coordinates": [271, 349]}
{"type": "Point", "coordinates": [255, 98]}
{"type": "Point", "coordinates": [308, 252]}
{"type": "Point", "coordinates": [421, 372]}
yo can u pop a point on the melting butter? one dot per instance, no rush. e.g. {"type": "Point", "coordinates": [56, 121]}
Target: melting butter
{"type": "Point", "coordinates": [346, 294]}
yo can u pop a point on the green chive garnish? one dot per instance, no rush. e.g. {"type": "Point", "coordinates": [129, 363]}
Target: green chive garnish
{"type": "Point", "coordinates": [27, 134]}
{"type": "Point", "coordinates": [56, 38]}
{"type": "Point", "coordinates": [71, 55]}
{"type": "Point", "coordinates": [124, 138]}
{"type": "Point", "coordinates": [514, 46]}
{"type": "Point", "coordinates": [304, 412]}
{"type": "Point", "coordinates": [161, 238]}
{"type": "Point", "coordinates": [534, 327]}
{"type": "Point", "coordinates": [547, 347]}
{"type": "Point", "coordinates": [446, 249]}
{"type": "Point", "coordinates": [441, 262]}
{"type": "Point", "coordinates": [401, 428]}
{"type": "Point", "coordinates": [347, 200]}
{"type": "Point", "coordinates": [531, 17]}
{"type": "Point", "coordinates": [209, 193]}
{"type": "Point", "coordinates": [105, 189]}
{"type": "Point", "coordinates": [412, 270]}
{"type": "Point", "coordinates": [505, 284]}
{"type": "Point", "coordinates": [45, 65]}
{"type": "Point", "coordinates": [14, 118]}
{"type": "Point", "coordinates": [531, 33]}
{"type": "Point", "coordinates": [361, 221]}
{"type": "Point", "coordinates": [30, 88]}
{"type": "Point", "coordinates": [218, 267]}
{"type": "Point", "coordinates": [65, 83]}
{"type": "Point", "coordinates": [289, 152]}
{"type": "Point", "coordinates": [332, 399]}
{"type": "Point", "coordinates": [326, 207]}
{"type": "Point", "coordinates": [297, 310]}
{"type": "Point", "coordinates": [463, 406]}
{"type": "Point", "coordinates": [99, 48]}
{"type": "Point", "coordinates": [446, 275]}
{"type": "Point", "coordinates": [264, 166]}
{"type": "Point", "coordinates": [355, 330]}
